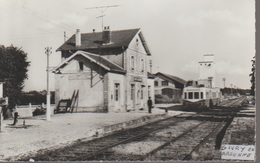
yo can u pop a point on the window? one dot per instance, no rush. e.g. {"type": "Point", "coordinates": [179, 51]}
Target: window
{"type": "Point", "coordinates": [207, 95]}
{"type": "Point", "coordinates": [196, 95]}
{"type": "Point", "coordinates": [164, 83]}
{"type": "Point", "coordinates": [142, 92]}
{"type": "Point", "coordinates": [142, 65]}
{"type": "Point", "coordinates": [190, 94]}
{"type": "Point", "coordinates": [149, 91]}
{"type": "Point", "coordinates": [81, 65]}
{"type": "Point", "coordinates": [132, 63]}
{"type": "Point", "coordinates": [155, 83]}
{"type": "Point", "coordinates": [168, 92]}
{"type": "Point", "coordinates": [117, 88]}
{"type": "Point", "coordinates": [132, 91]}
{"type": "Point", "coordinates": [201, 95]}
{"type": "Point", "coordinates": [185, 95]}
{"type": "Point", "coordinates": [214, 94]}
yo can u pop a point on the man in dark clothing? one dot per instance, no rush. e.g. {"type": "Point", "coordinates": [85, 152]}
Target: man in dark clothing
{"type": "Point", "coordinates": [15, 118]}
{"type": "Point", "coordinates": [150, 104]}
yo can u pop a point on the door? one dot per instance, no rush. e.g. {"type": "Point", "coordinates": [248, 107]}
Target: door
{"type": "Point", "coordinates": [117, 96]}
{"type": "Point", "coordinates": [132, 100]}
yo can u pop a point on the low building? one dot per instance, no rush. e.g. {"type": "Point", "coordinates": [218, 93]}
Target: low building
{"type": "Point", "coordinates": [109, 70]}
{"type": "Point", "coordinates": [169, 86]}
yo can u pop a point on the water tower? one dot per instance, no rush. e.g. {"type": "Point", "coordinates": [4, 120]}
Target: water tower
{"type": "Point", "coordinates": [207, 71]}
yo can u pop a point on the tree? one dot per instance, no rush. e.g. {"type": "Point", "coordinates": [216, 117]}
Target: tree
{"type": "Point", "coordinates": [252, 80]}
{"type": "Point", "coordinates": [13, 72]}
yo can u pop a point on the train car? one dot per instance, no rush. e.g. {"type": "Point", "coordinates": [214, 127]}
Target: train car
{"type": "Point", "coordinates": [201, 97]}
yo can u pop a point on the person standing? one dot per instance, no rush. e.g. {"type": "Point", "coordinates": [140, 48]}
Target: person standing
{"type": "Point", "coordinates": [15, 118]}
{"type": "Point", "coordinates": [150, 104]}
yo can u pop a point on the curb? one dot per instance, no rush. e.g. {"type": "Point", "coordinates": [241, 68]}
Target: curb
{"type": "Point", "coordinates": [123, 125]}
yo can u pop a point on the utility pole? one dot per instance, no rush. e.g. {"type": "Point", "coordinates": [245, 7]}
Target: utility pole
{"type": "Point", "coordinates": [224, 80]}
{"type": "Point", "coordinates": [151, 65]}
{"type": "Point", "coordinates": [102, 9]}
{"type": "Point", "coordinates": [65, 37]}
{"type": "Point", "coordinates": [231, 88]}
{"type": "Point", "coordinates": [48, 109]}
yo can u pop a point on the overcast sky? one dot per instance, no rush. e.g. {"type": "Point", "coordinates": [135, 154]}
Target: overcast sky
{"type": "Point", "coordinates": [178, 33]}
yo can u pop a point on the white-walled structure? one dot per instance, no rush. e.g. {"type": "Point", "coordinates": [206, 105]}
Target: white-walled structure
{"type": "Point", "coordinates": [207, 71]}
{"type": "Point", "coordinates": [108, 69]}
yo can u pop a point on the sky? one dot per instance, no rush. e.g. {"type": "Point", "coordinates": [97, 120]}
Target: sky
{"type": "Point", "coordinates": [178, 33]}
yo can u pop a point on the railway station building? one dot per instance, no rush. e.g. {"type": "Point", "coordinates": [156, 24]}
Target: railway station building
{"type": "Point", "coordinates": [169, 85]}
{"type": "Point", "coordinates": [108, 70]}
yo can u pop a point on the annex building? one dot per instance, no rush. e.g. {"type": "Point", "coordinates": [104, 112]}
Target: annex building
{"type": "Point", "coordinates": [109, 70]}
{"type": "Point", "coordinates": [169, 85]}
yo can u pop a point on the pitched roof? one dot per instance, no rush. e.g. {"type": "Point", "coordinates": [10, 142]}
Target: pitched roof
{"type": "Point", "coordinates": [119, 39]}
{"type": "Point", "coordinates": [171, 77]}
{"type": "Point", "coordinates": [103, 62]}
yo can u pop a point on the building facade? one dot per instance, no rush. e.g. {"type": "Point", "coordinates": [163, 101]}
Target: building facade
{"type": "Point", "coordinates": [169, 85]}
{"type": "Point", "coordinates": [108, 69]}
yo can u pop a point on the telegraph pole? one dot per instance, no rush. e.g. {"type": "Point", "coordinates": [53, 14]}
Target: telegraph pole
{"type": "Point", "coordinates": [48, 109]}
{"type": "Point", "coordinates": [151, 65]}
{"type": "Point", "coordinates": [224, 79]}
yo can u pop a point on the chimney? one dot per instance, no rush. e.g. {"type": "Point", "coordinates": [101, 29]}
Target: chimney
{"type": "Point", "coordinates": [78, 38]}
{"type": "Point", "coordinates": [106, 35]}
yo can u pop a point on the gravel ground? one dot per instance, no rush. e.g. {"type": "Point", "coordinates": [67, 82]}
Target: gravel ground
{"type": "Point", "coordinates": [61, 130]}
{"type": "Point", "coordinates": [241, 131]}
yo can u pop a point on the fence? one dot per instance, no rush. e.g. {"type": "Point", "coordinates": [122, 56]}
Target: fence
{"type": "Point", "coordinates": [25, 111]}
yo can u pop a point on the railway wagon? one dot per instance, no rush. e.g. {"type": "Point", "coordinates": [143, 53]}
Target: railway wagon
{"type": "Point", "coordinates": [201, 97]}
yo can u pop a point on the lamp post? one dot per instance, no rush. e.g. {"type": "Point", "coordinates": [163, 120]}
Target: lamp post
{"type": "Point", "coordinates": [48, 107]}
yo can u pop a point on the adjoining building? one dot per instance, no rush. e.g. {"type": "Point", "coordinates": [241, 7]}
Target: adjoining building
{"type": "Point", "coordinates": [168, 85]}
{"type": "Point", "coordinates": [109, 70]}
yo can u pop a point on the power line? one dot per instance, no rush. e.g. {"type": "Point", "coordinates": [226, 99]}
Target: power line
{"type": "Point", "coordinates": [31, 24]}
{"type": "Point", "coordinates": [36, 14]}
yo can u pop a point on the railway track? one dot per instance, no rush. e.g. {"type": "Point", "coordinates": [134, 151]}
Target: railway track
{"type": "Point", "coordinates": [233, 102]}
{"type": "Point", "coordinates": [88, 150]}
{"type": "Point", "coordinates": [174, 138]}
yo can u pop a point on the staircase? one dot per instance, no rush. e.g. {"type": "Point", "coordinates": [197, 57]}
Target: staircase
{"type": "Point", "coordinates": [68, 105]}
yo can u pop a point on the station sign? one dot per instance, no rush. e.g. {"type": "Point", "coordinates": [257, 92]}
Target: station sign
{"type": "Point", "coordinates": [138, 79]}
{"type": "Point", "coordinates": [80, 76]}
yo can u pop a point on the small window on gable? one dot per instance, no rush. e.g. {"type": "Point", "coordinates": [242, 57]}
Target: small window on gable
{"type": "Point", "coordinates": [164, 83]}
{"type": "Point", "coordinates": [81, 65]}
